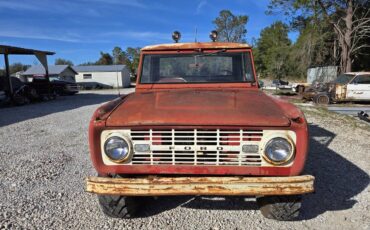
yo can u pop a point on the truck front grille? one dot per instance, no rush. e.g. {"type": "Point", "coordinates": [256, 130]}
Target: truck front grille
{"type": "Point", "coordinates": [196, 147]}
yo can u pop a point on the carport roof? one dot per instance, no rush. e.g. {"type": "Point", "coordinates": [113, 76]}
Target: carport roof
{"type": "Point", "coordinates": [4, 49]}
{"type": "Point", "coordinates": [99, 68]}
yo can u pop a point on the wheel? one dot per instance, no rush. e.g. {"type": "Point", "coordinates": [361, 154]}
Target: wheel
{"type": "Point", "coordinates": [322, 99]}
{"type": "Point", "coordinates": [280, 207]}
{"type": "Point", "coordinates": [33, 95]}
{"type": "Point", "coordinates": [118, 206]}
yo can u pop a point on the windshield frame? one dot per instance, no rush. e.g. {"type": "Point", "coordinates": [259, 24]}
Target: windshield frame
{"type": "Point", "coordinates": [248, 84]}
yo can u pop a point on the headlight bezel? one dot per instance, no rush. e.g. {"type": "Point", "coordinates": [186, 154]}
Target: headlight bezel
{"type": "Point", "coordinates": [283, 162]}
{"type": "Point", "coordinates": [129, 145]}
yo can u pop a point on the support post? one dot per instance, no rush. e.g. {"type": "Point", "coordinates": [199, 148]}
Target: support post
{"type": "Point", "coordinates": [44, 62]}
{"type": "Point", "coordinates": [7, 75]}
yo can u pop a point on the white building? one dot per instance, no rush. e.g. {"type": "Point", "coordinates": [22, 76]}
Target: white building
{"type": "Point", "coordinates": [102, 76]}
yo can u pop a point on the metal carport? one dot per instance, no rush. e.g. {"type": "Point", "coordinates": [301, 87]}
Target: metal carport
{"type": "Point", "coordinates": [12, 50]}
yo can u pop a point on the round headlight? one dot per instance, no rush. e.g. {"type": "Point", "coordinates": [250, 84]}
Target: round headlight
{"type": "Point", "coordinates": [278, 150]}
{"type": "Point", "coordinates": [117, 149]}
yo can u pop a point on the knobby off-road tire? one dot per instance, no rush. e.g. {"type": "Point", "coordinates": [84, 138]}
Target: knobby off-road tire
{"type": "Point", "coordinates": [118, 206]}
{"type": "Point", "coordinates": [280, 207]}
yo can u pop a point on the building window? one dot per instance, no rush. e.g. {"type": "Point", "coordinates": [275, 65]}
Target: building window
{"type": "Point", "coordinates": [87, 76]}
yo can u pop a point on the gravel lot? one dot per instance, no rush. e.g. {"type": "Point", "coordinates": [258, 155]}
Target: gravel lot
{"type": "Point", "coordinates": [44, 160]}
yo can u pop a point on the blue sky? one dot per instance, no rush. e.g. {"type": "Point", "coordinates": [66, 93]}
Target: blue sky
{"type": "Point", "coordinates": [79, 29]}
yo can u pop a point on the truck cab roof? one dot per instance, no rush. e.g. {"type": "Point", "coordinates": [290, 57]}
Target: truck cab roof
{"type": "Point", "coordinates": [196, 45]}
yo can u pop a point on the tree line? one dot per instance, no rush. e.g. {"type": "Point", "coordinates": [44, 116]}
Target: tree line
{"type": "Point", "coordinates": [330, 32]}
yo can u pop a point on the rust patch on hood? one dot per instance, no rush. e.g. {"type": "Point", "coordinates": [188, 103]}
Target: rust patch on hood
{"type": "Point", "coordinates": [239, 107]}
{"type": "Point", "coordinates": [188, 99]}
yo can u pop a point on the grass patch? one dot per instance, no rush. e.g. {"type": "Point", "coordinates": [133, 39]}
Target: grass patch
{"type": "Point", "coordinates": [340, 118]}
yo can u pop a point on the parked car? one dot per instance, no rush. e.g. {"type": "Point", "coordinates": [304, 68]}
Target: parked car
{"type": "Point", "coordinates": [354, 86]}
{"type": "Point", "coordinates": [299, 87]}
{"type": "Point", "coordinates": [279, 82]}
{"type": "Point", "coordinates": [192, 128]}
{"type": "Point", "coordinates": [62, 87]}
{"type": "Point", "coordinates": [282, 85]}
{"type": "Point", "coordinates": [46, 90]}
{"type": "Point", "coordinates": [93, 85]}
{"type": "Point", "coordinates": [22, 93]}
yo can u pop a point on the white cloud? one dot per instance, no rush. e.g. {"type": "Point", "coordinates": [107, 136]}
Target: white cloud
{"type": "Point", "coordinates": [37, 35]}
{"type": "Point", "coordinates": [15, 30]}
{"type": "Point", "coordinates": [147, 36]}
{"type": "Point", "coordinates": [200, 5]}
{"type": "Point", "coordinates": [138, 35]}
{"type": "Point", "coordinates": [12, 5]}
{"type": "Point", "coordinates": [47, 6]}
{"type": "Point", "coordinates": [132, 3]}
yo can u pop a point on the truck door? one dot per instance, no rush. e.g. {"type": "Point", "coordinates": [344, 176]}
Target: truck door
{"type": "Point", "coordinates": [359, 88]}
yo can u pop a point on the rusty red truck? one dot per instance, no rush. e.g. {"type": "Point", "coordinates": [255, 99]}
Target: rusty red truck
{"type": "Point", "coordinates": [198, 124]}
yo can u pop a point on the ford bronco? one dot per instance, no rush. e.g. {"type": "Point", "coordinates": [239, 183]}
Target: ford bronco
{"type": "Point", "coordinates": [198, 125]}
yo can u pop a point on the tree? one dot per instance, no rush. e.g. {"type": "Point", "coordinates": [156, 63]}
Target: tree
{"type": "Point", "coordinates": [87, 63]}
{"type": "Point", "coordinates": [61, 61]}
{"type": "Point", "coordinates": [132, 59]}
{"type": "Point", "coordinates": [14, 68]}
{"type": "Point", "coordinates": [119, 57]}
{"type": "Point", "coordinates": [272, 51]}
{"type": "Point", "coordinates": [313, 47]}
{"type": "Point", "coordinates": [231, 28]}
{"type": "Point", "coordinates": [349, 20]}
{"type": "Point", "coordinates": [105, 59]}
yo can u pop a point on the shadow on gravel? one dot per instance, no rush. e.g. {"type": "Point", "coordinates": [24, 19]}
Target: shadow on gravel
{"type": "Point", "coordinates": [11, 115]}
{"type": "Point", "coordinates": [156, 206]}
{"type": "Point", "coordinates": [338, 181]}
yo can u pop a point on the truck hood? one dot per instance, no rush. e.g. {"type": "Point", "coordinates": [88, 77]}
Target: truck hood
{"type": "Point", "coordinates": [234, 107]}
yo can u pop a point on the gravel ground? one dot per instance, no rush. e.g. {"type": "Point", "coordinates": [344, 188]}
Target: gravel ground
{"type": "Point", "coordinates": [44, 160]}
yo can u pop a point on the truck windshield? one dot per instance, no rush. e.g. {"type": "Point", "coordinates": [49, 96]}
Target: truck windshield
{"type": "Point", "coordinates": [344, 78]}
{"type": "Point", "coordinates": [213, 67]}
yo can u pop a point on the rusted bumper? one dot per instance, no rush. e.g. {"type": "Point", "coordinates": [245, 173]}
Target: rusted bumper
{"type": "Point", "coordinates": [166, 186]}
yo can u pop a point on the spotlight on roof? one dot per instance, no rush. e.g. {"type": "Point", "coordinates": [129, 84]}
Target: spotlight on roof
{"type": "Point", "coordinates": [213, 35]}
{"type": "Point", "coordinates": [176, 35]}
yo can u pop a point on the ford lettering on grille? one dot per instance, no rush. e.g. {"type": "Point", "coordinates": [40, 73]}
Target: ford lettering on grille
{"type": "Point", "coordinates": [196, 147]}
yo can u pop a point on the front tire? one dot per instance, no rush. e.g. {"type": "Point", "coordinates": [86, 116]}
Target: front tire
{"type": "Point", "coordinates": [118, 206]}
{"type": "Point", "coordinates": [282, 208]}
